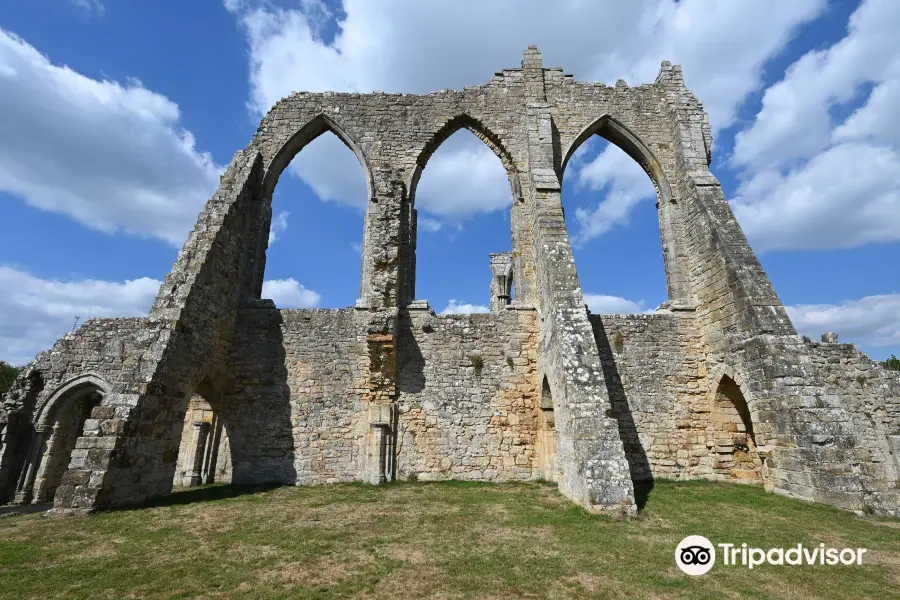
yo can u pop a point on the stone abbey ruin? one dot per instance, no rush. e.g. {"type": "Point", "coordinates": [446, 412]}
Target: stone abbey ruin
{"type": "Point", "coordinates": [217, 384]}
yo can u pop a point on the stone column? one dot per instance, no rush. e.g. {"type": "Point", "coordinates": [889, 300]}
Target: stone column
{"type": "Point", "coordinates": [502, 280]}
{"type": "Point", "coordinates": [196, 452]}
{"type": "Point", "coordinates": [211, 452]}
{"type": "Point", "coordinates": [379, 446]}
{"type": "Point", "coordinates": [385, 280]}
{"type": "Point", "coordinates": [26, 481]}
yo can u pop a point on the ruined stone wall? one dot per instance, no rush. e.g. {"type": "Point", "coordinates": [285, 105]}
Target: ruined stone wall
{"type": "Point", "coordinates": [294, 403]}
{"type": "Point", "coordinates": [468, 396]}
{"type": "Point", "coordinates": [871, 393]}
{"type": "Point", "coordinates": [654, 375]}
{"type": "Point", "coordinates": [99, 346]}
{"type": "Point", "coordinates": [100, 352]}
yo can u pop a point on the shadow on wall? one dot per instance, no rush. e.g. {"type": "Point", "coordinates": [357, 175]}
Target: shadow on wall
{"type": "Point", "coordinates": [638, 463]}
{"type": "Point", "coordinates": [257, 401]}
{"type": "Point", "coordinates": [410, 362]}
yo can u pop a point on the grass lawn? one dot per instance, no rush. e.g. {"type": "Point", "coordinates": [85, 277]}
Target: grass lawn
{"type": "Point", "coordinates": [436, 540]}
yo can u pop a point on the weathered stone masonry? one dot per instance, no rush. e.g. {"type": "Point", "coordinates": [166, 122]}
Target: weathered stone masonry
{"type": "Point", "coordinates": [218, 384]}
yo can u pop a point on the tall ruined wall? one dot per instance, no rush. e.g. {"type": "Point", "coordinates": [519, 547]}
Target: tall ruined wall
{"type": "Point", "coordinates": [654, 375]}
{"type": "Point", "coordinates": [468, 395]}
{"type": "Point", "coordinates": [294, 402]}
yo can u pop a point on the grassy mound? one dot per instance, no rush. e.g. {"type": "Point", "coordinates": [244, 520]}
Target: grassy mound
{"type": "Point", "coordinates": [436, 540]}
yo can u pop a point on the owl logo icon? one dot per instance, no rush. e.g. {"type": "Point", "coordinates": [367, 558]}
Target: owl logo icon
{"type": "Point", "coordinates": [695, 555]}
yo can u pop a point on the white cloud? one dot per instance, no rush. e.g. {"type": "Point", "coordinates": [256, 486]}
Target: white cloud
{"type": "Point", "coordinates": [333, 172]}
{"type": "Point", "coordinates": [871, 321]}
{"type": "Point", "coordinates": [625, 183]}
{"type": "Point", "coordinates": [110, 155]}
{"type": "Point", "coordinates": [414, 47]}
{"type": "Point", "coordinates": [463, 178]}
{"type": "Point", "coordinates": [811, 182]}
{"type": "Point", "coordinates": [457, 308]}
{"type": "Point", "coordinates": [612, 305]}
{"type": "Point", "coordinates": [846, 196]}
{"type": "Point", "coordinates": [89, 6]}
{"type": "Point", "coordinates": [289, 293]}
{"type": "Point", "coordinates": [35, 312]}
{"type": "Point", "coordinates": [279, 225]}
{"type": "Point", "coordinates": [429, 225]}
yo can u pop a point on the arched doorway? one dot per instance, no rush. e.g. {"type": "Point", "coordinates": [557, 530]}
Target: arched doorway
{"type": "Point", "coordinates": [546, 435]}
{"type": "Point", "coordinates": [735, 455]}
{"type": "Point", "coordinates": [59, 424]}
{"type": "Point", "coordinates": [204, 455]}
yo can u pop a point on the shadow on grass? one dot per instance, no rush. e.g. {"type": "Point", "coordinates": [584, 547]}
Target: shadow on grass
{"type": "Point", "coordinates": [193, 495]}
{"type": "Point", "coordinates": [642, 491]}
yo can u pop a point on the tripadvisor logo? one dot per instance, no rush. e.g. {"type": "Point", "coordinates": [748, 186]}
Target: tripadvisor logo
{"type": "Point", "coordinates": [696, 555]}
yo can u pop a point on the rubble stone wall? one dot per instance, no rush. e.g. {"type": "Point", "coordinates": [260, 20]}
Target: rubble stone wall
{"type": "Point", "coordinates": [468, 396]}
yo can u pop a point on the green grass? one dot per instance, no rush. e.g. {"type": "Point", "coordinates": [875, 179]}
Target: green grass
{"type": "Point", "coordinates": [435, 540]}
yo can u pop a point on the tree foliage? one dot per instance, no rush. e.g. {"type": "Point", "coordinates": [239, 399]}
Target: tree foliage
{"type": "Point", "coordinates": [893, 363]}
{"type": "Point", "coordinates": [8, 374]}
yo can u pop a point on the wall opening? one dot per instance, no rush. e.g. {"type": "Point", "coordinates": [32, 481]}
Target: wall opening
{"type": "Point", "coordinates": [546, 436]}
{"type": "Point", "coordinates": [461, 217]}
{"type": "Point", "coordinates": [324, 183]}
{"type": "Point", "coordinates": [204, 455]}
{"type": "Point", "coordinates": [54, 441]}
{"type": "Point", "coordinates": [735, 455]}
{"type": "Point", "coordinates": [610, 206]}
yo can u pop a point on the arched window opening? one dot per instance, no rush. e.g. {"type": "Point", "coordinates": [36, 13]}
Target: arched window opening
{"type": "Point", "coordinates": [315, 240]}
{"type": "Point", "coordinates": [736, 458]}
{"type": "Point", "coordinates": [204, 455]}
{"type": "Point", "coordinates": [545, 444]}
{"type": "Point", "coordinates": [59, 425]}
{"type": "Point", "coordinates": [610, 210]}
{"type": "Point", "coordinates": [462, 229]}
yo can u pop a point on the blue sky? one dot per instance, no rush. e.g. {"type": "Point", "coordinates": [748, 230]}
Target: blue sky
{"type": "Point", "coordinates": [118, 118]}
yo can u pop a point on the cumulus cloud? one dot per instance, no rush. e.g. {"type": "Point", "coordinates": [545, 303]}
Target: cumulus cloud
{"type": "Point", "coordinates": [110, 155]}
{"type": "Point", "coordinates": [612, 305]}
{"type": "Point", "coordinates": [871, 321]}
{"type": "Point", "coordinates": [35, 312]}
{"type": "Point", "coordinates": [279, 226]}
{"type": "Point", "coordinates": [454, 307]}
{"type": "Point", "coordinates": [624, 184]}
{"type": "Point", "coordinates": [333, 172]}
{"type": "Point", "coordinates": [289, 293]}
{"type": "Point", "coordinates": [461, 179]}
{"type": "Point", "coordinates": [810, 181]}
{"type": "Point", "coordinates": [414, 47]}
{"type": "Point", "coordinates": [848, 195]}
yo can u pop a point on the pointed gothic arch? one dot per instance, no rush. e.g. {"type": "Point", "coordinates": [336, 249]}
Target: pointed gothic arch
{"type": "Point", "coordinates": [620, 135]}
{"type": "Point", "coordinates": [482, 132]}
{"type": "Point", "coordinates": [315, 127]}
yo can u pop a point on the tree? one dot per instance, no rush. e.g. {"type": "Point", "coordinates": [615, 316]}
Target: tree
{"type": "Point", "coordinates": [893, 363]}
{"type": "Point", "coordinates": [8, 374]}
